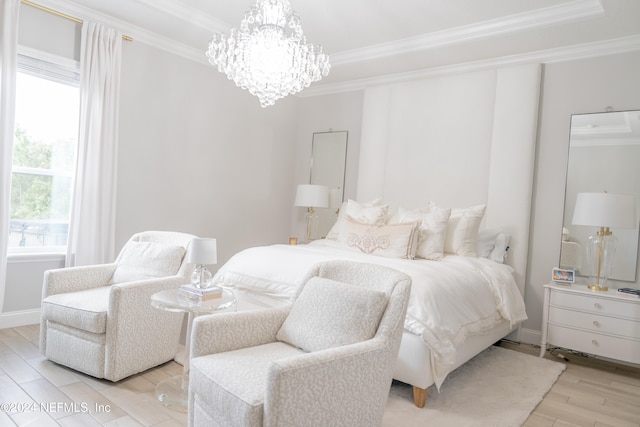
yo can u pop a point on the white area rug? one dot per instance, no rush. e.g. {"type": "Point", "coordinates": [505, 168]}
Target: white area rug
{"type": "Point", "coordinates": [498, 387]}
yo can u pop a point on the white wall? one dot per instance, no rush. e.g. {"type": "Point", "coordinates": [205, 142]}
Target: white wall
{"type": "Point", "coordinates": [199, 155]}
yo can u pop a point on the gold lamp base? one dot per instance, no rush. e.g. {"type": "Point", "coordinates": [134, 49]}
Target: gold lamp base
{"type": "Point", "coordinates": [598, 288]}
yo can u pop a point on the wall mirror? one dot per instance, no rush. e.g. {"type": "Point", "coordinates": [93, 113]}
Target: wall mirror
{"type": "Point", "coordinates": [328, 165]}
{"type": "Point", "coordinates": [604, 154]}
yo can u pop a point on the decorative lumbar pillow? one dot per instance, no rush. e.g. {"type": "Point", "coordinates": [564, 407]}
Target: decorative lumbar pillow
{"type": "Point", "coordinates": [145, 260]}
{"type": "Point", "coordinates": [372, 212]}
{"type": "Point", "coordinates": [329, 314]}
{"type": "Point", "coordinates": [391, 240]}
{"type": "Point", "coordinates": [432, 229]}
{"type": "Point", "coordinates": [462, 230]}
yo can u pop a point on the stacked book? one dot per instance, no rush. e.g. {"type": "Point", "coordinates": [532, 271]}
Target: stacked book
{"type": "Point", "coordinates": [195, 294]}
{"type": "Point", "coordinates": [629, 292]}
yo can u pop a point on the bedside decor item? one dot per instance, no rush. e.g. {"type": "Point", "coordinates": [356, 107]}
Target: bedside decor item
{"type": "Point", "coordinates": [269, 55]}
{"type": "Point", "coordinates": [606, 211]}
{"type": "Point", "coordinates": [311, 197]}
{"type": "Point", "coordinates": [629, 292]}
{"type": "Point", "coordinates": [560, 275]}
{"type": "Point", "coordinates": [191, 293]}
{"type": "Point", "coordinates": [202, 252]}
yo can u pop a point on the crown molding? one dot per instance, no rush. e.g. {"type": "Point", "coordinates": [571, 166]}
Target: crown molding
{"type": "Point", "coordinates": [572, 11]}
{"type": "Point", "coordinates": [189, 15]}
{"type": "Point", "coordinates": [138, 34]}
{"type": "Point", "coordinates": [577, 10]}
{"type": "Point", "coordinates": [549, 56]}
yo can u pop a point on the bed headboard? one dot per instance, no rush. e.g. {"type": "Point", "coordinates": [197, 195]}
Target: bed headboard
{"type": "Point", "coordinates": [460, 141]}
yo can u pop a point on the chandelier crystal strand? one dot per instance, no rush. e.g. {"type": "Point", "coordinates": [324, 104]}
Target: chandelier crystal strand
{"type": "Point", "coordinates": [268, 55]}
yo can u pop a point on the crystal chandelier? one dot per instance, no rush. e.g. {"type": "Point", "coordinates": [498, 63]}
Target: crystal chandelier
{"type": "Point", "coordinates": [269, 55]}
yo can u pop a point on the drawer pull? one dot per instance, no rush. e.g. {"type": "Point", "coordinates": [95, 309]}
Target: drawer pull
{"type": "Point", "coordinates": [596, 323]}
{"type": "Point", "coordinates": [596, 305]}
{"type": "Point", "coordinates": [594, 342]}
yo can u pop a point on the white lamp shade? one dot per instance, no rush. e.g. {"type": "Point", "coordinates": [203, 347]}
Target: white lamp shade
{"type": "Point", "coordinates": [312, 196]}
{"type": "Point", "coordinates": [203, 251]}
{"type": "Point", "coordinates": [605, 210]}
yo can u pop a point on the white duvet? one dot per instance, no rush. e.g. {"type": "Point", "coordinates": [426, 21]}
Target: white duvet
{"type": "Point", "coordinates": [450, 299]}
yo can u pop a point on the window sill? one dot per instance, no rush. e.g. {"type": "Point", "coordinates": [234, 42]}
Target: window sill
{"type": "Point", "coordinates": [35, 257]}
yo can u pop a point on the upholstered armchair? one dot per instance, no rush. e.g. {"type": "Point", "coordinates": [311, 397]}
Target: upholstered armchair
{"type": "Point", "coordinates": [99, 320]}
{"type": "Point", "coordinates": [325, 360]}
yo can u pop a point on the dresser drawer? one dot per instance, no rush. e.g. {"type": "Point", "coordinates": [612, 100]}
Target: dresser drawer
{"type": "Point", "coordinates": [598, 344]}
{"type": "Point", "coordinates": [596, 304]}
{"type": "Point", "coordinates": [594, 322]}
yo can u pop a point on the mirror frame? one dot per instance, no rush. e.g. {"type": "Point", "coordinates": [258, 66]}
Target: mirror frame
{"type": "Point", "coordinates": [600, 146]}
{"type": "Point", "coordinates": [328, 167]}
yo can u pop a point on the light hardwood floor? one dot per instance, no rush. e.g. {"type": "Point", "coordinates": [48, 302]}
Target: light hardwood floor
{"type": "Point", "coordinates": [589, 392]}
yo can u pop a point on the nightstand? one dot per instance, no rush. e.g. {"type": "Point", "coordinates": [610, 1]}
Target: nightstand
{"type": "Point", "coordinates": [599, 323]}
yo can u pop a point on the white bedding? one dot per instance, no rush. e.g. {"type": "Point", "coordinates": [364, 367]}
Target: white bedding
{"type": "Point", "coordinates": [450, 299]}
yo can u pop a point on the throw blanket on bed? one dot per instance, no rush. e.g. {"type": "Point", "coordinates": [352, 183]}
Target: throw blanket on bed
{"type": "Point", "coordinates": [450, 299]}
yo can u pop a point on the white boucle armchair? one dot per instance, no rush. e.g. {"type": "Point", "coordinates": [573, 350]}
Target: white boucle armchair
{"type": "Point", "coordinates": [325, 360]}
{"type": "Point", "coordinates": [98, 319]}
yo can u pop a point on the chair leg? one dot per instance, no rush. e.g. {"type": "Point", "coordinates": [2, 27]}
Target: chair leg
{"type": "Point", "coordinates": [420, 396]}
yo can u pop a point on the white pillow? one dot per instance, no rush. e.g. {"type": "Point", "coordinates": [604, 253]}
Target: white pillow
{"type": "Point", "coordinates": [462, 229]}
{"type": "Point", "coordinates": [493, 245]}
{"type": "Point", "coordinates": [485, 243]}
{"type": "Point", "coordinates": [432, 229]}
{"type": "Point", "coordinates": [392, 240]}
{"type": "Point", "coordinates": [145, 260]}
{"type": "Point", "coordinates": [499, 252]}
{"type": "Point", "coordinates": [372, 212]}
{"type": "Point", "coordinates": [329, 314]}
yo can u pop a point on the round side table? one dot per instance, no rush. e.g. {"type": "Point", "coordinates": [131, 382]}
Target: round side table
{"type": "Point", "coordinates": [175, 390]}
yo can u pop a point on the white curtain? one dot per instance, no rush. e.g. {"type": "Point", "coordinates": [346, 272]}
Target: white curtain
{"type": "Point", "coordinates": [92, 226]}
{"type": "Point", "coordinates": [8, 60]}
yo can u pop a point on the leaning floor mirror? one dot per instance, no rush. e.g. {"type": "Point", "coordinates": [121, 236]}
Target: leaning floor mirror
{"type": "Point", "coordinates": [604, 156]}
{"type": "Point", "coordinates": [328, 165]}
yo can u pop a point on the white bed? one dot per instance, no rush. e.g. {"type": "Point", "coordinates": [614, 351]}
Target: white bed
{"type": "Point", "coordinates": [459, 305]}
{"type": "Point", "coordinates": [460, 141]}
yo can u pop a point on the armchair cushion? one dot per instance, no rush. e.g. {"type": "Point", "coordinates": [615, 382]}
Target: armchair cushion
{"type": "Point", "coordinates": [85, 310]}
{"type": "Point", "coordinates": [236, 381]}
{"type": "Point", "coordinates": [329, 314]}
{"type": "Point", "coordinates": [146, 260]}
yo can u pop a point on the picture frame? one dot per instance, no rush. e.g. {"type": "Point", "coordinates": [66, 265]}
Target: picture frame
{"type": "Point", "coordinates": [561, 275]}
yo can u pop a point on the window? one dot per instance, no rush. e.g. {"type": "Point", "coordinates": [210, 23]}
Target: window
{"type": "Point", "coordinates": [44, 154]}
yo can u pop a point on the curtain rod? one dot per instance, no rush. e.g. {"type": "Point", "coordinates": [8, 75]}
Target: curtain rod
{"type": "Point", "coordinates": [62, 15]}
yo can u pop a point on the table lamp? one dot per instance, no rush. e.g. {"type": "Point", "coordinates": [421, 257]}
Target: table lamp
{"type": "Point", "coordinates": [603, 210]}
{"type": "Point", "coordinates": [202, 252]}
{"type": "Point", "coordinates": [312, 196]}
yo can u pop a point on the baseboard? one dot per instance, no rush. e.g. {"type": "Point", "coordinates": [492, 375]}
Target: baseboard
{"type": "Point", "coordinates": [530, 336]}
{"type": "Point", "coordinates": [13, 319]}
